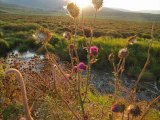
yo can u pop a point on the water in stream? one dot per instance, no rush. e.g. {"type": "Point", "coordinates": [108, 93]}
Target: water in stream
{"type": "Point", "coordinates": [103, 81]}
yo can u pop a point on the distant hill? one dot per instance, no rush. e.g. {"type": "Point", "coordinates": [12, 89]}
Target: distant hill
{"type": "Point", "coordinates": [39, 7]}
{"type": "Point", "coordinates": [40, 4]}
{"type": "Point", "coordinates": [151, 11]}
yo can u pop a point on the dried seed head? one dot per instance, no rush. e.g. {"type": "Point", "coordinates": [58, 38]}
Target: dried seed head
{"type": "Point", "coordinates": [122, 107]}
{"type": "Point", "coordinates": [67, 35]}
{"type": "Point", "coordinates": [132, 40]}
{"type": "Point", "coordinates": [123, 53]}
{"type": "Point", "coordinates": [134, 110]}
{"type": "Point", "coordinates": [73, 10]}
{"type": "Point", "coordinates": [97, 4]}
{"type": "Point", "coordinates": [111, 57]}
{"type": "Point", "coordinates": [87, 32]}
{"type": "Point", "coordinates": [42, 36]}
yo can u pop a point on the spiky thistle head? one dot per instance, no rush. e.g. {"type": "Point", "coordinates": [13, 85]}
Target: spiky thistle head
{"type": "Point", "coordinates": [42, 36]}
{"type": "Point", "coordinates": [134, 110]}
{"type": "Point", "coordinates": [123, 53]}
{"type": "Point", "coordinates": [97, 4]}
{"type": "Point", "coordinates": [132, 39]}
{"type": "Point", "coordinates": [67, 35]}
{"type": "Point", "coordinates": [93, 51]}
{"type": "Point", "coordinates": [111, 57]}
{"type": "Point", "coordinates": [73, 10]}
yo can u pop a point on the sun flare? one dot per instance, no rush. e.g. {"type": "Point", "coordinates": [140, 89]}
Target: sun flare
{"type": "Point", "coordinates": [82, 3]}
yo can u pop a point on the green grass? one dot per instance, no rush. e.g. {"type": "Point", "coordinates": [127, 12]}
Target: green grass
{"type": "Point", "coordinates": [16, 33]}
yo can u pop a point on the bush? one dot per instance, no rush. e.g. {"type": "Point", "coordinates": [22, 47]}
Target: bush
{"type": "Point", "coordinates": [148, 76]}
{"type": "Point", "coordinates": [12, 112]}
{"type": "Point", "coordinates": [133, 71]}
{"type": "Point", "coordinates": [4, 46]}
{"type": "Point", "coordinates": [22, 48]}
{"type": "Point", "coordinates": [20, 27]}
{"type": "Point", "coordinates": [1, 34]}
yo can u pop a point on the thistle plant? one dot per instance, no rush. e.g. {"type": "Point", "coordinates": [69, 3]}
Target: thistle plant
{"type": "Point", "coordinates": [77, 66]}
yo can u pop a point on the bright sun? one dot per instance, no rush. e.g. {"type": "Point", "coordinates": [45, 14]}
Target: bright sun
{"type": "Point", "coordinates": [82, 3]}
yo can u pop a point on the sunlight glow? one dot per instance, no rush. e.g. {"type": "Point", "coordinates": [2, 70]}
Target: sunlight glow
{"type": "Point", "coordinates": [133, 5]}
{"type": "Point", "coordinates": [82, 3]}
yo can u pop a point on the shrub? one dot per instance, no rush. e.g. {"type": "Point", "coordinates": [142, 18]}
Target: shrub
{"type": "Point", "coordinates": [148, 76]}
{"type": "Point", "coordinates": [12, 112]}
{"type": "Point", "coordinates": [22, 48]}
{"type": "Point", "coordinates": [20, 27]}
{"type": "Point", "coordinates": [4, 46]}
{"type": "Point", "coordinates": [1, 34]}
{"type": "Point", "coordinates": [133, 71]}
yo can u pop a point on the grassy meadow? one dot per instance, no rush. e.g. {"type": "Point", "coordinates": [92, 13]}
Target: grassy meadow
{"type": "Point", "coordinates": [109, 36]}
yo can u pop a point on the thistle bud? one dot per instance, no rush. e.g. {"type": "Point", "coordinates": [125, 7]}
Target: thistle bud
{"type": "Point", "coordinates": [111, 57]}
{"type": "Point", "coordinates": [67, 76]}
{"type": "Point", "coordinates": [71, 46]}
{"type": "Point", "coordinates": [134, 110]}
{"type": "Point", "coordinates": [73, 10]}
{"type": "Point", "coordinates": [75, 69]}
{"type": "Point", "coordinates": [81, 66]}
{"type": "Point", "coordinates": [115, 108]}
{"type": "Point", "coordinates": [123, 53]}
{"type": "Point", "coordinates": [97, 4]}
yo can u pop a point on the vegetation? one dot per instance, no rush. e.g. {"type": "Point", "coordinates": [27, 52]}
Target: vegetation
{"type": "Point", "coordinates": [65, 92]}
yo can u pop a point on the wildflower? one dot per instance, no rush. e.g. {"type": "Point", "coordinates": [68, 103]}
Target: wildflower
{"type": "Point", "coordinates": [132, 40]}
{"type": "Point", "coordinates": [123, 53]}
{"type": "Point", "coordinates": [67, 35]}
{"type": "Point", "coordinates": [73, 10]}
{"type": "Point", "coordinates": [42, 36]}
{"type": "Point", "coordinates": [93, 51]}
{"type": "Point", "coordinates": [116, 108]}
{"type": "Point", "coordinates": [97, 4]}
{"type": "Point", "coordinates": [111, 57]}
{"type": "Point", "coordinates": [134, 110]}
{"type": "Point", "coordinates": [75, 69]}
{"type": "Point", "coordinates": [81, 66]}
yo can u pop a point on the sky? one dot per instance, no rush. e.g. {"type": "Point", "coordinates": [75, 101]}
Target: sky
{"type": "Point", "coordinates": [133, 5]}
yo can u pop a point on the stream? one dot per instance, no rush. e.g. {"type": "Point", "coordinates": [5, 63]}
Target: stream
{"type": "Point", "coordinates": [104, 81]}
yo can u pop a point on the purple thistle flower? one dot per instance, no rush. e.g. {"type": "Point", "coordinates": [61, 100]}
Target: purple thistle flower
{"type": "Point", "coordinates": [116, 108]}
{"type": "Point", "coordinates": [81, 66]}
{"type": "Point", "coordinates": [75, 69]}
{"type": "Point", "coordinates": [93, 51]}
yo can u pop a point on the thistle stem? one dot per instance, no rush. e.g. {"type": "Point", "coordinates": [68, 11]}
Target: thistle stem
{"type": "Point", "coordinates": [23, 90]}
{"type": "Point", "coordinates": [54, 81]}
{"type": "Point", "coordinates": [149, 106]}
